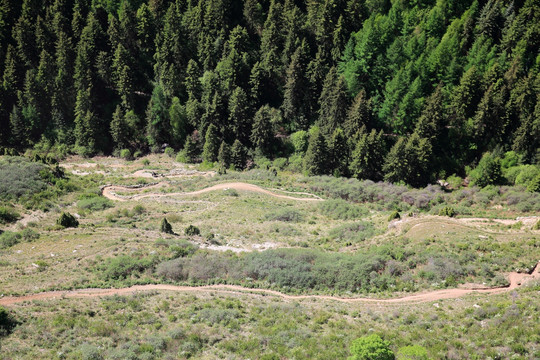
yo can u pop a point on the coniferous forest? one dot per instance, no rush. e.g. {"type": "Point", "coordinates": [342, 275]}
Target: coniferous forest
{"type": "Point", "coordinates": [397, 90]}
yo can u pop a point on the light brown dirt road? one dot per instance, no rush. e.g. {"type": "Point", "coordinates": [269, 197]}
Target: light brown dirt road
{"type": "Point", "coordinates": [516, 280]}
{"type": "Point", "coordinates": [109, 191]}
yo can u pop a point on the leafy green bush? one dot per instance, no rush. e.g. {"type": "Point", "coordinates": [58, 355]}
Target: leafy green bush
{"type": "Point", "coordinates": [341, 210]}
{"type": "Point", "coordinates": [126, 154]}
{"type": "Point", "coordinates": [7, 322]}
{"type": "Point", "coordinates": [371, 347]}
{"type": "Point", "coordinates": [447, 211]}
{"type": "Point", "coordinates": [394, 215]}
{"type": "Point", "coordinates": [487, 172]}
{"type": "Point", "coordinates": [96, 203]}
{"type": "Point", "coordinates": [121, 267]}
{"type": "Point", "coordinates": [9, 239]}
{"type": "Point", "coordinates": [192, 230]}
{"type": "Point", "coordinates": [412, 352]}
{"type": "Point", "coordinates": [170, 152]}
{"type": "Point", "coordinates": [67, 220]}
{"type": "Point", "coordinates": [8, 215]}
{"type": "Point", "coordinates": [355, 232]}
{"type": "Point", "coordinates": [288, 215]}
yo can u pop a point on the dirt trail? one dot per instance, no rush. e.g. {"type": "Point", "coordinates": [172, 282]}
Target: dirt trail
{"type": "Point", "coordinates": [516, 280]}
{"type": "Point", "coordinates": [109, 191]}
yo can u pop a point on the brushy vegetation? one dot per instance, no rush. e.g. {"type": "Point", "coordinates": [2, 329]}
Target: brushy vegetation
{"type": "Point", "coordinates": [286, 215]}
{"type": "Point", "coordinates": [8, 215]}
{"type": "Point", "coordinates": [67, 220]}
{"type": "Point", "coordinates": [9, 238]}
{"type": "Point", "coordinates": [32, 184]}
{"type": "Point", "coordinates": [94, 203]}
{"type": "Point", "coordinates": [341, 210]}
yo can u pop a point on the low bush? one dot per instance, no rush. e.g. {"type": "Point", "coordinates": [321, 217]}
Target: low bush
{"type": "Point", "coordinates": [447, 211]}
{"type": "Point", "coordinates": [394, 215]}
{"type": "Point", "coordinates": [7, 322]}
{"type": "Point", "coordinates": [8, 215]}
{"type": "Point", "coordinates": [67, 220]}
{"type": "Point", "coordinates": [341, 210]}
{"type": "Point", "coordinates": [287, 215]}
{"type": "Point", "coordinates": [9, 238]}
{"type": "Point", "coordinates": [97, 203]}
{"type": "Point", "coordinates": [126, 154]}
{"type": "Point", "coordinates": [355, 232]}
{"type": "Point", "coordinates": [192, 230]}
{"type": "Point", "coordinates": [121, 267]}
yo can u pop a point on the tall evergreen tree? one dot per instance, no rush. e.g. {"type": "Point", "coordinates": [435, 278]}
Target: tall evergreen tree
{"type": "Point", "coordinates": [211, 144]}
{"type": "Point", "coordinates": [316, 160]}
{"type": "Point", "coordinates": [157, 115]}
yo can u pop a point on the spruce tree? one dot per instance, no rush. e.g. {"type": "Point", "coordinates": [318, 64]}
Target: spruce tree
{"type": "Point", "coordinates": [239, 116]}
{"type": "Point", "coordinates": [262, 134]}
{"type": "Point", "coordinates": [339, 152]}
{"type": "Point", "coordinates": [157, 115]}
{"type": "Point", "coordinates": [179, 123]}
{"type": "Point", "coordinates": [238, 155]}
{"type": "Point", "coordinates": [358, 115]}
{"type": "Point", "coordinates": [119, 129]}
{"type": "Point", "coordinates": [316, 160]}
{"type": "Point", "coordinates": [191, 148]}
{"type": "Point", "coordinates": [211, 144]}
{"type": "Point", "coordinates": [224, 155]}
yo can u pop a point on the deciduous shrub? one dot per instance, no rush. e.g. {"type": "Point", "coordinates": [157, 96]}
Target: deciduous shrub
{"type": "Point", "coordinates": [192, 230]}
{"type": "Point", "coordinates": [124, 266]}
{"type": "Point", "coordinates": [371, 347]}
{"type": "Point", "coordinates": [125, 154]}
{"type": "Point", "coordinates": [67, 220]}
{"type": "Point", "coordinates": [394, 215]}
{"type": "Point", "coordinates": [341, 210]}
{"type": "Point", "coordinates": [8, 215]}
{"type": "Point", "coordinates": [7, 322]}
{"type": "Point", "coordinates": [288, 215]}
{"type": "Point", "coordinates": [412, 352]}
{"type": "Point", "coordinates": [447, 211]}
{"type": "Point", "coordinates": [95, 203]}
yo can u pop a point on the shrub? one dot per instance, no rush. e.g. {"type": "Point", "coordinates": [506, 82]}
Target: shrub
{"type": "Point", "coordinates": [7, 322]}
{"type": "Point", "coordinates": [447, 211]}
{"type": "Point", "coordinates": [9, 239]}
{"type": "Point", "coordinates": [96, 203]}
{"type": "Point", "coordinates": [123, 266]}
{"type": "Point", "coordinates": [454, 181]}
{"type": "Point", "coordinates": [67, 220]}
{"type": "Point", "coordinates": [371, 347]}
{"type": "Point", "coordinates": [170, 152]}
{"type": "Point", "coordinates": [487, 172]}
{"type": "Point", "coordinates": [358, 231]}
{"type": "Point", "coordinates": [125, 154]}
{"type": "Point", "coordinates": [394, 215]}
{"type": "Point", "coordinates": [340, 209]}
{"type": "Point", "coordinates": [192, 231]}
{"type": "Point", "coordinates": [90, 352]}
{"type": "Point", "coordinates": [20, 177]}
{"type": "Point", "coordinates": [138, 209]}
{"type": "Point", "coordinates": [165, 227]}
{"type": "Point", "coordinates": [8, 215]}
{"type": "Point", "coordinates": [287, 215]}
{"type": "Point", "coordinates": [537, 225]}
{"type": "Point", "coordinates": [412, 352]}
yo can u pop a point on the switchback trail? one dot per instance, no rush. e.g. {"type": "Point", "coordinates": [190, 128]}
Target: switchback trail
{"type": "Point", "coordinates": [516, 280]}
{"type": "Point", "coordinates": [109, 191]}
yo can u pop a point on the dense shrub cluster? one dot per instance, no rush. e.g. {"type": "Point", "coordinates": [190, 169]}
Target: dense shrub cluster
{"type": "Point", "coordinates": [287, 215]}
{"type": "Point", "coordinates": [8, 215]}
{"type": "Point", "coordinates": [339, 209]}
{"type": "Point", "coordinates": [9, 238]}
{"type": "Point", "coordinates": [124, 266]}
{"type": "Point", "coordinates": [94, 203]}
{"type": "Point", "coordinates": [67, 220]}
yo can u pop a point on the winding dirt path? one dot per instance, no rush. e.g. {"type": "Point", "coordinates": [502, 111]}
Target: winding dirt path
{"type": "Point", "coordinates": [109, 191]}
{"type": "Point", "coordinates": [516, 280]}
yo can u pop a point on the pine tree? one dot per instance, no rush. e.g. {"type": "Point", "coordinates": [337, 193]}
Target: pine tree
{"type": "Point", "coordinates": [332, 103]}
{"type": "Point", "coordinates": [191, 149]}
{"type": "Point", "coordinates": [224, 155]}
{"type": "Point", "coordinates": [296, 105]}
{"type": "Point", "coordinates": [238, 156]}
{"type": "Point", "coordinates": [239, 116]}
{"type": "Point", "coordinates": [179, 123]}
{"type": "Point", "coordinates": [358, 115]}
{"type": "Point", "coordinates": [19, 130]}
{"type": "Point", "coordinates": [316, 160]}
{"type": "Point", "coordinates": [262, 135]}
{"type": "Point", "coordinates": [339, 151]}
{"type": "Point", "coordinates": [211, 144]}
{"type": "Point", "coordinates": [119, 129]}
{"type": "Point", "coordinates": [157, 115]}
